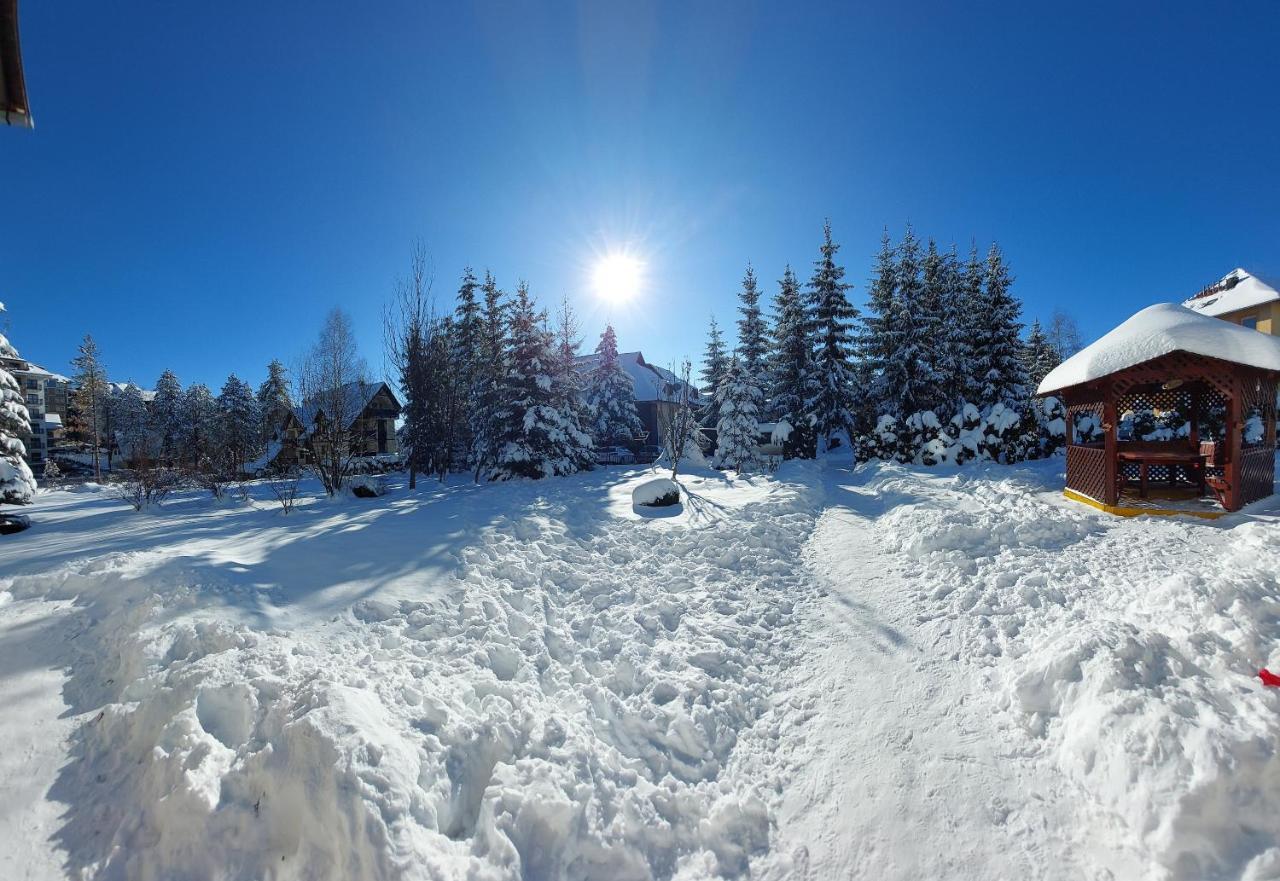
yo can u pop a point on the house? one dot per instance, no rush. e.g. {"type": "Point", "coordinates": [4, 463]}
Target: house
{"type": "Point", "coordinates": [1241, 298]}
{"type": "Point", "coordinates": [656, 390]}
{"type": "Point", "coordinates": [45, 394]}
{"type": "Point", "coordinates": [372, 430]}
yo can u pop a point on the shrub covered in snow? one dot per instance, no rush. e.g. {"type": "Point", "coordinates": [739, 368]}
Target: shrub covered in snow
{"type": "Point", "coordinates": [659, 493]}
{"type": "Point", "coordinates": [367, 486]}
{"type": "Point", "coordinates": [1002, 435]}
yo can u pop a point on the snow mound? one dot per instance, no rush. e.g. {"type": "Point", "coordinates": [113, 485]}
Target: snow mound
{"type": "Point", "coordinates": [659, 493]}
{"type": "Point", "coordinates": [1159, 330]}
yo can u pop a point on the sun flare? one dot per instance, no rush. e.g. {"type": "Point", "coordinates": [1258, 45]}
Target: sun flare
{"type": "Point", "coordinates": [617, 277]}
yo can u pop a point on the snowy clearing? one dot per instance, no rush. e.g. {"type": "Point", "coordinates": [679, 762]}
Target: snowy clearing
{"type": "Point", "coordinates": [890, 672]}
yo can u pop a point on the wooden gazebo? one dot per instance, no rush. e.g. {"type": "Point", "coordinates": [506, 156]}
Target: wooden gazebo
{"type": "Point", "coordinates": [1170, 408]}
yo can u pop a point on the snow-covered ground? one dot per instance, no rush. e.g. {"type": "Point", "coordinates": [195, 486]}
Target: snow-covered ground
{"type": "Point", "coordinates": [890, 673]}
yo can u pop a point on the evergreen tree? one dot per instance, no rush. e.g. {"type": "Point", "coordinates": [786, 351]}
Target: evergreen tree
{"type": "Point", "coordinates": [611, 395]}
{"type": "Point", "coordinates": [905, 375]}
{"type": "Point", "coordinates": [881, 330]}
{"type": "Point", "coordinates": [91, 397]}
{"type": "Point", "coordinates": [715, 361]}
{"type": "Point", "coordinates": [468, 340]}
{"type": "Point", "coordinates": [972, 328]}
{"type": "Point", "coordinates": [933, 335]}
{"type": "Point", "coordinates": [491, 376]}
{"type": "Point", "coordinates": [275, 400]}
{"type": "Point", "coordinates": [830, 402]}
{"type": "Point", "coordinates": [567, 382]}
{"type": "Point", "coordinates": [998, 345]}
{"type": "Point", "coordinates": [131, 425]}
{"type": "Point", "coordinates": [166, 415]}
{"type": "Point", "coordinates": [536, 437]}
{"type": "Point", "coordinates": [954, 350]}
{"type": "Point", "coordinates": [1038, 356]}
{"type": "Point", "coordinates": [738, 427]}
{"type": "Point", "coordinates": [17, 483]}
{"type": "Point", "coordinates": [791, 367]}
{"type": "Point", "coordinates": [753, 335]}
{"type": "Point", "coordinates": [239, 425]}
{"type": "Point", "coordinates": [198, 441]}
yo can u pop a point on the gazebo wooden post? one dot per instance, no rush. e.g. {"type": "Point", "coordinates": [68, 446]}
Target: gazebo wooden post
{"type": "Point", "coordinates": [1193, 433]}
{"type": "Point", "coordinates": [1111, 491]}
{"type": "Point", "coordinates": [1231, 467]}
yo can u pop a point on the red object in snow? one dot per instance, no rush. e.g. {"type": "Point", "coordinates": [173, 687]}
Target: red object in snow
{"type": "Point", "coordinates": [1269, 678]}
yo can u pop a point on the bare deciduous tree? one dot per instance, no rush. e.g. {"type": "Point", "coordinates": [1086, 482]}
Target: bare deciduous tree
{"type": "Point", "coordinates": [681, 435]}
{"type": "Point", "coordinates": [332, 379]}
{"type": "Point", "coordinates": [284, 485]}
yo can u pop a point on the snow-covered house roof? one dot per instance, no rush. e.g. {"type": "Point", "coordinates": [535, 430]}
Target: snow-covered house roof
{"type": "Point", "coordinates": [1237, 290]}
{"type": "Point", "coordinates": [1158, 330]}
{"type": "Point", "coordinates": [356, 397]}
{"type": "Point", "coordinates": [651, 382]}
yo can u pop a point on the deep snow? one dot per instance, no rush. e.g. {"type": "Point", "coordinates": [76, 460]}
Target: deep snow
{"type": "Point", "coordinates": [893, 673]}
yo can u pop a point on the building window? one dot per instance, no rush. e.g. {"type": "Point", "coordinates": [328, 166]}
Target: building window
{"type": "Point", "coordinates": [1251, 322]}
{"type": "Point", "coordinates": [33, 383]}
{"type": "Point", "coordinates": [33, 399]}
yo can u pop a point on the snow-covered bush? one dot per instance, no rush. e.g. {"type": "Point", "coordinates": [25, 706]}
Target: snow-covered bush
{"type": "Point", "coordinates": [1003, 435]}
{"type": "Point", "coordinates": [367, 486]}
{"type": "Point", "coordinates": [661, 492]}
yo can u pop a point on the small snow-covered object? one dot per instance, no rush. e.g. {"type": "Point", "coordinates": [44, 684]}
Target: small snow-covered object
{"type": "Point", "coordinates": [367, 486]}
{"type": "Point", "coordinates": [659, 493]}
{"type": "Point", "coordinates": [1269, 678]}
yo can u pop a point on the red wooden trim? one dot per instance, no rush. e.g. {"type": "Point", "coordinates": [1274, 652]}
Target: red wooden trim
{"type": "Point", "coordinates": [1109, 444]}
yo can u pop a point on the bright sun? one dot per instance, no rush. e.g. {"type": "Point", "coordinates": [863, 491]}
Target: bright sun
{"type": "Point", "coordinates": [617, 277]}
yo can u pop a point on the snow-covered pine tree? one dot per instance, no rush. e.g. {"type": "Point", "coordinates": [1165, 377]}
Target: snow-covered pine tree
{"type": "Point", "coordinates": [17, 483]}
{"type": "Point", "coordinates": [999, 341]}
{"type": "Point", "coordinates": [954, 349]}
{"type": "Point", "coordinates": [738, 428]}
{"type": "Point", "coordinates": [1038, 356]}
{"type": "Point", "coordinates": [239, 425]}
{"type": "Point", "coordinates": [611, 395]}
{"type": "Point", "coordinates": [829, 407]}
{"type": "Point", "coordinates": [904, 377]}
{"type": "Point", "coordinates": [535, 437]}
{"type": "Point", "coordinates": [791, 366]}
{"type": "Point", "coordinates": [166, 416]}
{"type": "Point", "coordinates": [275, 400]}
{"type": "Point", "coordinates": [972, 305]}
{"type": "Point", "coordinates": [198, 441]}
{"type": "Point", "coordinates": [486, 407]}
{"type": "Point", "coordinates": [91, 396]}
{"type": "Point", "coordinates": [468, 338]}
{"type": "Point", "coordinates": [409, 331]}
{"type": "Point", "coordinates": [934, 335]}
{"type": "Point", "coordinates": [131, 426]}
{"type": "Point", "coordinates": [753, 335]}
{"type": "Point", "coordinates": [569, 386]}
{"type": "Point", "coordinates": [715, 361]}
{"type": "Point", "coordinates": [879, 333]}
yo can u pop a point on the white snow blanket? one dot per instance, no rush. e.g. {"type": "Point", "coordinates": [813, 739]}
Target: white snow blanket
{"type": "Point", "coordinates": [891, 673]}
{"type": "Point", "coordinates": [1159, 330]}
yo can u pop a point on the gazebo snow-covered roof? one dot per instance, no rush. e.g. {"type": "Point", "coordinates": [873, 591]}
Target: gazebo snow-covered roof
{"type": "Point", "coordinates": [1177, 397]}
{"type": "Point", "coordinates": [1160, 330]}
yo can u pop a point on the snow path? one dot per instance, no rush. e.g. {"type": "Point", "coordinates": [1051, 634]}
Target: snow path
{"type": "Point", "coordinates": [34, 733]}
{"type": "Point", "coordinates": [900, 778]}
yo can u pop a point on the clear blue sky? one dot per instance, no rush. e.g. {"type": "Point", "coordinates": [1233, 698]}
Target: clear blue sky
{"type": "Point", "coordinates": [206, 180]}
